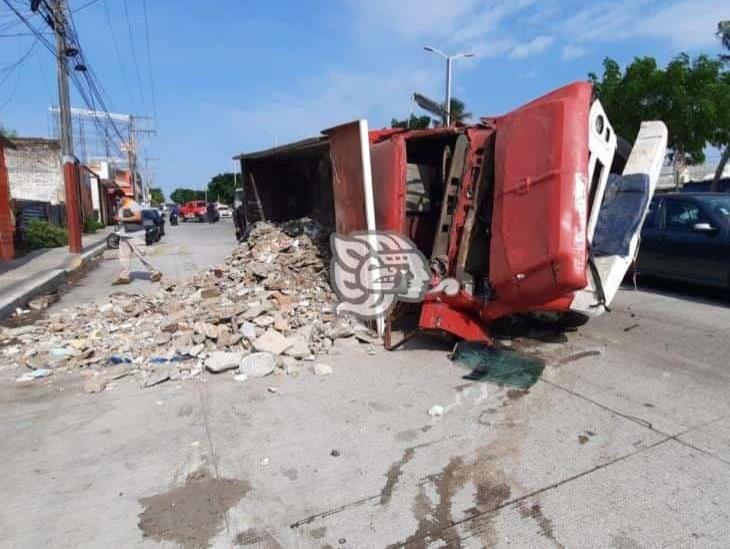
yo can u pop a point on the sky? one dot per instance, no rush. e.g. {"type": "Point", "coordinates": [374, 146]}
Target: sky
{"type": "Point", "coordinates": [223, 77]}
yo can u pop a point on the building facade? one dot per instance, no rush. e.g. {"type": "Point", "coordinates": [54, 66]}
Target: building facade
{"type": "Point", "coordinates": [34, 170]}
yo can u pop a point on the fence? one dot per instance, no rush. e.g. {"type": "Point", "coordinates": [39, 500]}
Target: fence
{"type": "Point", "coordinates": [26, 210]}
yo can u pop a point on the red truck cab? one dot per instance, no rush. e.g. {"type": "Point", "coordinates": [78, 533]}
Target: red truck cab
{"type": "Point", "coordinates": [195, 210]}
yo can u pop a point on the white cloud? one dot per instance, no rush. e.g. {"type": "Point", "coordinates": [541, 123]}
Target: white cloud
{"type": "Point", "coordinates": [412, 18]}
{"type": "Point", "coordinates": [689, 24]}
{"type": "Point", "coordinates": [684, 24]}
{"type": "Point", "coordinates": [573, 51]}
{"type": "Point", "coordinates": [337, 97]}
{"type": "Point", "coordinates": [536, 45]}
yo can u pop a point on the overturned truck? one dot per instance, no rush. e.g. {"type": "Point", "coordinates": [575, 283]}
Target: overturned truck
{"type": "Point", "coordinates": [531, 212]}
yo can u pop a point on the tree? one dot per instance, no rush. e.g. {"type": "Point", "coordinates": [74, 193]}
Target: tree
{"type": "Point", "coordinates": [6, 133]}
{"type": "Point", "coordinates": [413, 123]}
{"type": "Point", "coordinates": [180, 196]}
{"type": "Point", "coordinates": [221, 188]}
{"type": "Point", "coordinates": [723, 33]}
{"type": "Point", "coordinates": [690, 96]}
{"type": "Point", "coordinates": [157, 196]}
{"type": "Point", "coordinates": [459, 115]}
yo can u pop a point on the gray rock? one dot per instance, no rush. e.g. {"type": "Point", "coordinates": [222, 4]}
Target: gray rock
{"type": "Point", "coordinates": [257, 364]}
{"type": "Point", "coordinates": [299, 347]}
{"type": "Point", "coordinates": [272, 342]}
{"type": "Point", "coordinates": [221, 361]}
{"type": "Point", "coordinates": [160, 375]}
{"type": "Point", "coordinates": [248, 330]}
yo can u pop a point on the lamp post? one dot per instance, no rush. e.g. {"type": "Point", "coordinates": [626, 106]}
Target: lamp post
{"type": "Point", "coordinates": [449, 59]}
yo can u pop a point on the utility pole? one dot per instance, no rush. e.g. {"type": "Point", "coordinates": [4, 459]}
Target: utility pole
{"type": "Point", "coordinates": [132, 152]}
{"type": "Point", "coordinates": [449, 59]}
{"type": "Point", "coordinates": [70, 166]}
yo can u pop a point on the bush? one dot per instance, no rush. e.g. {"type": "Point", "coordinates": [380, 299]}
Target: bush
{"type": "Point", "coordinates": [91, 225]}
{"type": "Point", "coordinates": [41, 234]}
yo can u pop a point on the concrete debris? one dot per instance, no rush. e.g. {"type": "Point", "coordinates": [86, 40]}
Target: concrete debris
{"type": "Point", "coordinates": [322, 369]}
{"type": "Point", "coordinates": [96, 384]}
{"type": "Point", "coordinates": [221, 361]}
{"type": "Point", "coordinates": [35, 374]}
{"type": "Point", "coordinates": [436, 410]}
{"type": "Point", "coordinates": [258, 364]}
{"type": "Point", "coordinates": [42, 302]}
{"type": "Point", "coordinates": [272, 342]}
{"type": "Point", "coordinates": [268, 306]}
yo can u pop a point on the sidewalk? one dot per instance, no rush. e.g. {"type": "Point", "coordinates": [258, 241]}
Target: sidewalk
{"type": "Point", "coordinates": [43, 271]}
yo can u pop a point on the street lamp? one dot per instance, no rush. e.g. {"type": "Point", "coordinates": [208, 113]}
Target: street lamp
{"type": "Point", "coordinates": [449, 59]}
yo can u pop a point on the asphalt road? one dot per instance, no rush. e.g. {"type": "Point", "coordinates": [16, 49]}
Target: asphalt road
{"type": "Point", "coordinates": [184, 250]}
{"type": "Point", "coordinates": [623, 442]}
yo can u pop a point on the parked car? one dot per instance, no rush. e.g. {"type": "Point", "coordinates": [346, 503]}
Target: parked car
{"type": "Point", "coordinates": [196, 210]}
{"type": "Point", "coordinates": [686, 236]}
{"type": "Point", "coordinates": [224, 212]}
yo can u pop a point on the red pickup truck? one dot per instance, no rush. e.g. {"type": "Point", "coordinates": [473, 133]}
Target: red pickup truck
{"type": "Point", "coordinates": [196, 210]}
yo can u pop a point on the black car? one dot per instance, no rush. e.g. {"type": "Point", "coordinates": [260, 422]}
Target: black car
{"type": "Point", "coordinates": [686, 236]}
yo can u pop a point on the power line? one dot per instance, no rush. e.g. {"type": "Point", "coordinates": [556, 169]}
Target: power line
{"type": "Point", "coordinates": [149, 61]}
{"type": "Point", "coordinates": [134, 53]}
{"type": "Point", "coordinates": [122, 64]}
{"type": "Point", "coordinates": [90, 3]}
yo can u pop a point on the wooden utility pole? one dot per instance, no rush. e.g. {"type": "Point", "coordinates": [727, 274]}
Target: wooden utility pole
{"type": "Point", "coordinates": [71, 176]}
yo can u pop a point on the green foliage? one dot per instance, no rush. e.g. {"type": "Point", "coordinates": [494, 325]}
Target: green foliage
{"type": "Point", "coordinates": [4, 132]}
{"type": "Point", "coordinates": [459, 114]}
{"type": "Point", "coordinates": [91, 225]}
{"type": "Point", "coordinates": [41, 234]}
{"type": "Point", "coordinates": [415, 122]}
{"type": "Point", "coordinates": [723, 33]}
{"type": "Point", "coordinates": [690, 96]}
{"type": "Point", "coordinates": [157, 197]}
{"type": "Point", "coordinates": [180, 196]}
{"type": "Point", "coordinates": [221, 188]}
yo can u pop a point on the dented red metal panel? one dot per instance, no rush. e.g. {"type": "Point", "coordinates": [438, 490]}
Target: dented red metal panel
{"type": "Point", "coordinates": [347, 182]}
{"type": "Point", "coordinates": [389, 165]}
{"type": "Point", "coordinates": [538, 250]}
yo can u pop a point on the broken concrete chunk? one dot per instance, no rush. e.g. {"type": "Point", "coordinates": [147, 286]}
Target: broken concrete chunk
{"type": "Point", "coordinates": [272, 342]}
{"type": "Point", "coordinates": [221, 361]}
{"type": "Point", "coordinates": [436, 410]}
{"type": "Point", "coordinates": [299, 347]}
{"type": "Point", "coordinates": [322, 369]}
{"type": "Point", "coordinates": [207, 293]}
{"type": "Point", "coordinates": [96, 384]}
{"type": "Point", "coordinates": [248, 330]}
{"type": "Point", "coordinates": [258, 364]}
{"type": "Point", "coordinates": [158, 376]}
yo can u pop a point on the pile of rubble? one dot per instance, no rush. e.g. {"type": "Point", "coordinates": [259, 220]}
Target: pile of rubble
{"type": "Point", "coordinates": [269, 308]}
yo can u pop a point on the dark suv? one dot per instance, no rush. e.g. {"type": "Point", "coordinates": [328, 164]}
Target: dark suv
{"type": "Point", "coordinates": [686, 236]}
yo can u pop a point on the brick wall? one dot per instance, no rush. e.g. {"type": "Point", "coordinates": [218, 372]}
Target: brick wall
{"type": "Point", "coordinates": [34, 170]}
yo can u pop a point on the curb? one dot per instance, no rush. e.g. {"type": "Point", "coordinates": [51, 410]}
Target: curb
{"type": "Point", "coordinates": [49, 281]}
